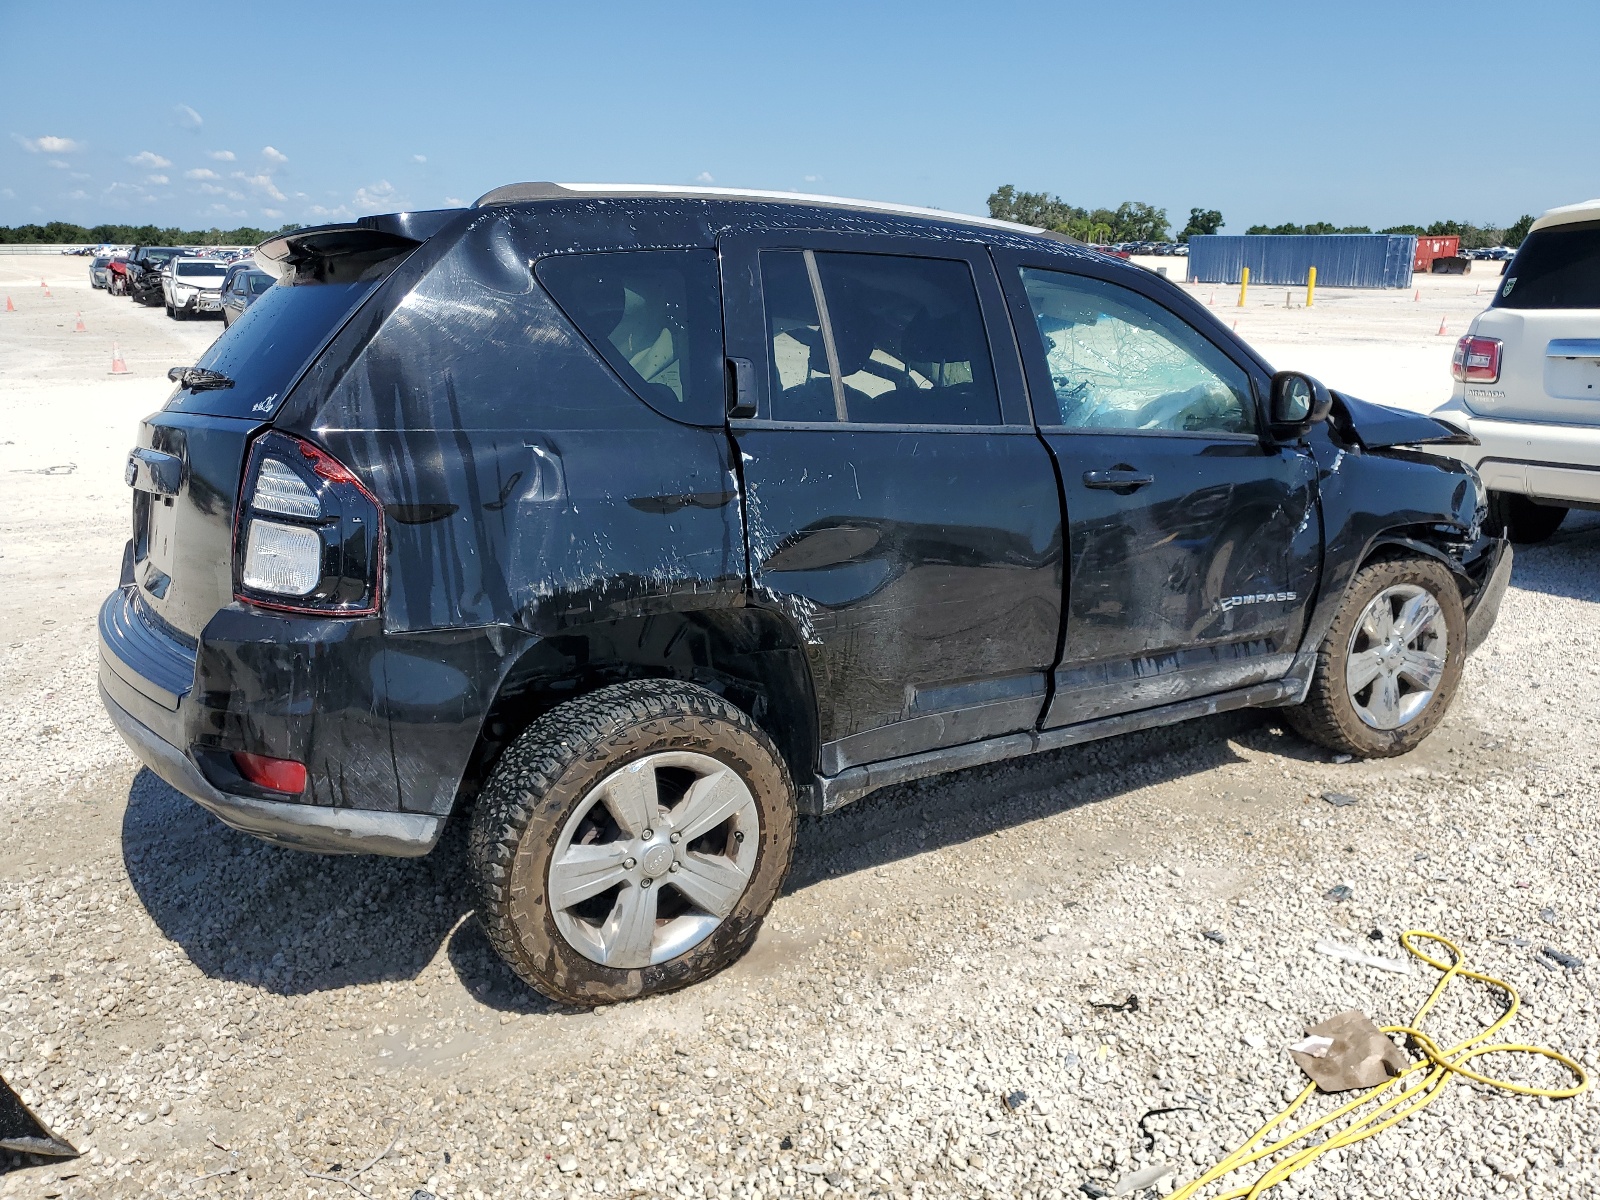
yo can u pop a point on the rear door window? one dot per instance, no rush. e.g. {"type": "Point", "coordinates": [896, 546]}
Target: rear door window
{"type": "Point", "coordinates": [876, 339]}
{"type": "Point", "coordinates": [1557, 267]}
{"type": "Point", "coordinates": [656, 317]}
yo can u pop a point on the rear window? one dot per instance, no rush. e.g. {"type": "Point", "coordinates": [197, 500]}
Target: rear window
{"type": "Point", "coordinates": [259, 282]}
{"type": "Point", "coordinates": [656, 317]}
{"type": "Point", "coordinates": [201, 270]}
{"type": "Point", "coordinates": [266, 348]}
{"type": "Point", "coordinates": [1557, 267]}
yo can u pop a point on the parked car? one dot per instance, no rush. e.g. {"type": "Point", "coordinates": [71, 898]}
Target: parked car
{"type": "Point", "coordinates": [627, 556]}
{"type": "Point", "coordinates": [193, 286]}
{"type": "Point", "coordinates": [145, 264]}
{"type": "Point", "coordinates": [1527, 379]}
{"type": "Point", "coordinates": [99, 271]}
{"type": "Point", "coordinates": [242, 287]}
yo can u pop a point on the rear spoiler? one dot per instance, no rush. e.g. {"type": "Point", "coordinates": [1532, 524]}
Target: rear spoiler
{"type": "Point", "coordinates": [346, 253]}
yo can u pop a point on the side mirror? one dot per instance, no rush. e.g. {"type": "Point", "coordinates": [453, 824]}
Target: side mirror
{"type": "Point", "coordinates": [1297, 403]}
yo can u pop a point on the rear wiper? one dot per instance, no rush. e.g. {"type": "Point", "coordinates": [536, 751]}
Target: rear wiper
{"type": "Point", "coordinates": [199, 379]}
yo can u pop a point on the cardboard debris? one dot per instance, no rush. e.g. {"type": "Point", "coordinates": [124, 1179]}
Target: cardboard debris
{"type": "Point", "coordinates": [1361, 1056]}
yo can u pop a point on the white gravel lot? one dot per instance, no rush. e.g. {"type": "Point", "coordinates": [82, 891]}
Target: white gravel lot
{"type": "Point", "coordinates": [207, 1015]}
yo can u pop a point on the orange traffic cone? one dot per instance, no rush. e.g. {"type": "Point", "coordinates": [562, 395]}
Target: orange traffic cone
{"type": "Point", "coordinates": [1418, 296]}
{"type": "Point", "coordinates": [80, 327]}
{"type": "Point", "coordinates": [1213, 301]}
{"type": "Point", "coordinates": [42, 283]}
{"type": "Point", "coordinates": [1441, 327]}
{"type": "Point", "coordinates": [47, 294]}
{"type": "Point", "coordinates": [1236, 324]}
{"type": "Point", "coordinates": [10, 307]}
{"type": "Point", "coordinates": [118, 367]}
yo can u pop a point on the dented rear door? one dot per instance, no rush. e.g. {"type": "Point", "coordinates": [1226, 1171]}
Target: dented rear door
{"type": "Point", "coordinates": [901, 510]}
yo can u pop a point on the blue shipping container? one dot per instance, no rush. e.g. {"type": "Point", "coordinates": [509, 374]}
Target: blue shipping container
{"type": "Point", "coordinates": [1372, 260]}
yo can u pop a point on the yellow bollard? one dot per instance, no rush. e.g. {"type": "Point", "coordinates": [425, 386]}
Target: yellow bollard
{"type": "Point", "coordinates": [1244, 285]}
{"type": "Point", "coordinates": [1311, 287]}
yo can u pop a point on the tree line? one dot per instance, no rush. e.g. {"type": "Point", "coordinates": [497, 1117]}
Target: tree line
{"type": "Point", "coordinates": [1135, 221]}
{"type": "Point", "coordinates": [63, 232]}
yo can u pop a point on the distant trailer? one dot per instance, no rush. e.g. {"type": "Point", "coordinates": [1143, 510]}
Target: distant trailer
{"type": "Point", "coordinates": [1369, 260]}
{"type": "Point", "coordinates": [1431, 248]}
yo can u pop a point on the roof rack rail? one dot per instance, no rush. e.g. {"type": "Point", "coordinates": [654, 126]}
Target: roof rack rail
{"type": "Point", "coordinates": [517, 193]}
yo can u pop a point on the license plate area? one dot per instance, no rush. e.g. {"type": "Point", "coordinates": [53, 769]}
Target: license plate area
{"type": "Point", "coordinates": [162, 536]}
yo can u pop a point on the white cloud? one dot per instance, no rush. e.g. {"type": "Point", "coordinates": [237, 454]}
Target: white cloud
{"type": "Point", "coordinates": [276, 157]}
{"type": "Point", "coordinates": [262, 183]}
{"type": "Point", "coordinates": [201, 173]}
{"type": "Point", "coordinates": [704, 177]}
{"type": "Point", "coordinates": [47, 144]}
{"type": "Point", "coordinates": [211, 189]}
{"type": "Point", "coordinates": [80, 194]}
{"type": "Point", "coordinates": [342, 210]}
{"type": "Point", "coordinates": [813, 178]}
{"type": "Point", "coordinates": [454, 201]}
{"type": "Point", "coordinates": [187, 117]}
{"type": "Point", "coordinates": [379, 195]}
{"type": "Point", "coordinates": [235, 195]}
{"type": "Point", "coordinates": [222, 155]}
{"type": "Point", "coordinates": [8, 193]}
{"type": "Point", "coordinates": [419, 158]}
{"type": "Point", "coordinates": [274, 213]}
{"type": "Point", "coordinates": [156, 179]}
{"type": "Point", "coordinates": [147, 158]}
{"type": "Point", "coordinates": [59, 164]}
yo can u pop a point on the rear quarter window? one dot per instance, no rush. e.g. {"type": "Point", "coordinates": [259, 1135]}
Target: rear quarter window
{"type": "Point", "coordinates": [656, 317]}
{"type": "Point", "coordinates": [1557, 267]}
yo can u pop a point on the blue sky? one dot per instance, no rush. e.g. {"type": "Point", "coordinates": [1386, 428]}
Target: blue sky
{"type": "Point", "coordinates": [249, 113]}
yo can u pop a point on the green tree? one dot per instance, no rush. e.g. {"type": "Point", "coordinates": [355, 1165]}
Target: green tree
{"type": "Point", "coordinates": [1032, 208]}
{"type": "Point", "coordinates": [1517, 230]}
{"type": "Point", "coordinates": [1202, 221]}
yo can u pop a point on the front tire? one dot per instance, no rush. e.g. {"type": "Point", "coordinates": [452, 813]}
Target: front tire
{"type": "Point", "coordinates": [630, 842]}
{"type": "Point", "coordinates": [1524, 521]}
{"type": "Point", "coordinates": [1390, 664]}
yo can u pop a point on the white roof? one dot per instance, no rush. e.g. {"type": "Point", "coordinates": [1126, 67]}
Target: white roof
{"type": "Point", "coordinates": [1586, 210]}
{"type": "Point", "coordinates": [514, 192]}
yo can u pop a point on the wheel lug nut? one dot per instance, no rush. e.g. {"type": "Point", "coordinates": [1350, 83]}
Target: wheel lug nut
{"type": "Point", "coordinates": [673, 867]}
{"type": "Point", "coordinates": [630, 864]}
{"type": "Point", "coordinates": [676, 838]}
{"type": "Point", "coordinates": [648, 834]}
{"type": "Point", "coordinates": [646, 882]}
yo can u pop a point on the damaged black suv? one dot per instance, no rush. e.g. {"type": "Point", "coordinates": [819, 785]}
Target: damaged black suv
{"type": "Point", "coordinates": [633, 522]}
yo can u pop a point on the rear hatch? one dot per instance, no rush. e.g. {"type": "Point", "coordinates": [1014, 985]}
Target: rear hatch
{"type": "Point", "coordinates": [1546, 314]}
{"type": "Point", "coordinates": [192, 453]}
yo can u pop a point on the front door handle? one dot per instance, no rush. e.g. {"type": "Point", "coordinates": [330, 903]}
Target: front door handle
{"type": "Point", "coordinates": [1120, 478]}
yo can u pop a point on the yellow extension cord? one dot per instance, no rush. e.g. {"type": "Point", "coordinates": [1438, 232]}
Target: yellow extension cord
{"type": "Point", "coordinates": [1441, 1067]}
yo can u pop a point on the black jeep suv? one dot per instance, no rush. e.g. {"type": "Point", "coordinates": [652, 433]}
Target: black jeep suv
{"type": "Point", "coordinates": [145, 264]}
{"type": "Point", "coordinates": [634, 522]}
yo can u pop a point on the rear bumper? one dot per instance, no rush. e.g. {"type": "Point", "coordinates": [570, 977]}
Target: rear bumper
{"type": "Point", "coordinates": [148, 687]}
{"type": "Point", "coordinates": [298, 826]}
{"type": "Point", "coordinates": [1549, 462]}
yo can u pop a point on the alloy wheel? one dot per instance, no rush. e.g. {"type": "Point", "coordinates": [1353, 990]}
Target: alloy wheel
{"type": "Point", "coordinates": [653, 859]}
{"type": "Point", "coordinates": [1396, 656]}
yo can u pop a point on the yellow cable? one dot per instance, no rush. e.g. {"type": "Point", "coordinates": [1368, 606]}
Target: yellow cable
{"type": "Point", "coordinates": [1437, 1068]}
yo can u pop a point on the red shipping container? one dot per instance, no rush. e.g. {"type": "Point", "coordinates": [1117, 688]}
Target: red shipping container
{"type": "Point", "coordinates": [1430, 248]}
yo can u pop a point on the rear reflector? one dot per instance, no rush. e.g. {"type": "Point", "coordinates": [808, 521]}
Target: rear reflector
{"type": "Point", "coordinates": [1476, 360]}
{"type": "Point", "coordinates": [274, 774]}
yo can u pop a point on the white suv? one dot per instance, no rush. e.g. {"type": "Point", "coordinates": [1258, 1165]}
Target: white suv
{"type": "Point", "coordinates": [1528, 378]}
{"type": "Point", "coordinates": [190, 286]}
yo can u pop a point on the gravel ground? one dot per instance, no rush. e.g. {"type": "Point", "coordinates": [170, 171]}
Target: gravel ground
{"type": "Point", "coordinates": [206, 1015]}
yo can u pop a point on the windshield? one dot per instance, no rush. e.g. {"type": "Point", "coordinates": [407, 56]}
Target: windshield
{"type": "Point", "coordinates": [1557, 267]}
{"type": "Point", "coordinates": [159, 256]}
{"type": "Point", "coordinates": [265, 349]}
{"type": "Point", "coordinates": [201, 270]}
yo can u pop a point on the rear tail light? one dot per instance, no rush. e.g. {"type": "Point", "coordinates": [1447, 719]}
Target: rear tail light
{"type": "Point", "coordinates": [274, 774]}
{"type": "Point", "coordinates": [1476, 360]}
{"type": "Point", "coordinates": [309, 535]}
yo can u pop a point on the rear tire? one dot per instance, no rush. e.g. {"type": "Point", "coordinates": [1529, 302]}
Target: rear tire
{"type": "Point", "coordinates": [1390, 664]}
{"type": "Point", "coordinates": [611, 790]}
{"type": "Point", "coordinates": [1526, 522]}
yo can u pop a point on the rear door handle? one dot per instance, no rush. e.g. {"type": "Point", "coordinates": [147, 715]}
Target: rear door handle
{"type": "Point", "coordinates": [1118, 479]}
